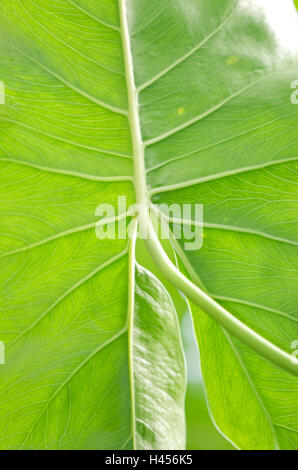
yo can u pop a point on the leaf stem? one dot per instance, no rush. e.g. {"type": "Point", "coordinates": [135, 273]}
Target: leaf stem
{"type": "Point", "coordinates": [133, 113]}
{"type": "Point", "coordinates": [158, 255]}
{"type": "Point", "coordinates": [230, 323]}
{"type": "Point", "coordinates": [139, 180]}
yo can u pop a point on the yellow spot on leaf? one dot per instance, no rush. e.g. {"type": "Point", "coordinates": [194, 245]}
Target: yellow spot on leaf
{"type": "Point", "coordinates": [232, 60]}
{"type": "Point", "coordinates": [180, 111]}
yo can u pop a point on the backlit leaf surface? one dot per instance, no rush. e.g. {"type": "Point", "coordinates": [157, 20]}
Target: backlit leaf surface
{"type": "Point", "coordinates": [93, 348]}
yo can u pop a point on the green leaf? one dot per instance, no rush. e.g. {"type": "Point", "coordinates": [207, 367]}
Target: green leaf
{"type": "Point", "coordinates": [236, 153]}
{"type": "Point", "coordinates": [183, 102]}
{"type": "Point", "coordinates": [253, 402]}
{"type": "Point", "coordinates": [93, 350]}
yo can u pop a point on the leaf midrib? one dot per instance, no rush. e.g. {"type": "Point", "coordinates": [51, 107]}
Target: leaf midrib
{"type": "Point", "coordinates": [139, 184]}
{"type": "Point", "coordinates": [141, 189]}
{"type": "Point", "coordinates": [133, 116]}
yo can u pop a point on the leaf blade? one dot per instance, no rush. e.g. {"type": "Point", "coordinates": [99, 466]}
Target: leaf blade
{"type": "Point", "coordinates": [66, 148]}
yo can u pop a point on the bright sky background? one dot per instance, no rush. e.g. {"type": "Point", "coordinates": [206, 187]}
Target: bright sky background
{"type": "Point", "coordinates": [283, 18]}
